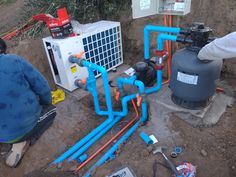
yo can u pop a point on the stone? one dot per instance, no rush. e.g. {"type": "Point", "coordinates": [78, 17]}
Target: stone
{"type": "Point", "coordinates": [150, 149]}
{"type": "Point", "coordinates": [3, 153]}
{"type": "Point", "coordinates": [223, 150]}
{"type": "Point", "coordinates": [145, 153]}
{"type": "Point", "coordinates": [204, 153]}
{"type": "Point", "coordinates": [73, 168]}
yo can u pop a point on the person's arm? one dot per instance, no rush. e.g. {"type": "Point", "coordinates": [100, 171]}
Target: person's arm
{"type": "Point", "coordinates": [221, 48]}
{"type": "Point", "coordinates": [37, 82]}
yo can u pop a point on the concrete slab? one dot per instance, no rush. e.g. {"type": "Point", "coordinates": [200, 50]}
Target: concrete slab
{"type": "Point", "coordinates": [161, 109]}
{"type": "Point", "coordinates": [208, 116]}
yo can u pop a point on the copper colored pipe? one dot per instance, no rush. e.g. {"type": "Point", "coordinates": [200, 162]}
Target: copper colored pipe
{"type": "Point", "coordinates": [111, 140]}
{"type": "Point", "coordinates": [165, 24]}
{"type": "Point", "coordinates": [169, 49]}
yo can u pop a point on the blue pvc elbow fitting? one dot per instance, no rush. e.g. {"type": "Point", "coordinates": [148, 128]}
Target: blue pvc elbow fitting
{"type": "Point", "coordinates": [151, 28]}
{"type": "Point", "coordinates": [161, 38]}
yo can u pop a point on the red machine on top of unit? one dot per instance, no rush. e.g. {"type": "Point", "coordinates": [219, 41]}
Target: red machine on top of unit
{"type": "Point", "coordinates": [59, 27]}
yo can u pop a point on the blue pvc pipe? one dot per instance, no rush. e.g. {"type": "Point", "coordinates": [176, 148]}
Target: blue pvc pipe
{"type": "Point", "coordinates": [122, 81]}
{"type": "Point", "coordinates": [124, 101]}
{"type": "Point", "coordinates": [82, 158]}
{"type": "Point", "coordinates": [104, 76]}
{"type": "Point", "coordinates": [109, 111]}
{"type": "Point", "coordinates": [91, 85]}
{"type": "Point", "coordinates": [158, 85]}
{"type": "Point", "coordinates": [146, 138]}
{"type": "Point", "coordinates": [114, 148]}
{"type": "Point", "coordinates": [80, 143]}
{"type": "Point", "coordinates": [161, 39]}
{"type": "Point", "coordinates": [106, 123]}
{"type": "Point", "coordinates": [94, 139]}
{"type": "Point", "coordinates": [124, 112]}
{"type": "Point", "coordinates": [150, 28]}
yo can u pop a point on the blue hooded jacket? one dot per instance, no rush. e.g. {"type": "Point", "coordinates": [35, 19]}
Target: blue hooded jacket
{"type": "Point", "coordinates": [23, 91]}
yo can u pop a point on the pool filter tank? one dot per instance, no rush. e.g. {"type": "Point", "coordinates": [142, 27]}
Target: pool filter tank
{"type": "Point", "coordinates": [192, 81]}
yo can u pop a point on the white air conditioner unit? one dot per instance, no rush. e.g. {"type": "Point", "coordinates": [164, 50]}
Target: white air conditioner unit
{"type": "Point", "coordinates": [102, 44]}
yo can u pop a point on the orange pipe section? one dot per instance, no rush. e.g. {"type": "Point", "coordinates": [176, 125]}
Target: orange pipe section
{"type": "Point", "coordinates": [14, 33]}
{"type": "Point", "coordinates": [169, 49]}
{"type": "Point", "coordinates": [111, 140]}
{"type": "Point", "coordinates": [165, 24]}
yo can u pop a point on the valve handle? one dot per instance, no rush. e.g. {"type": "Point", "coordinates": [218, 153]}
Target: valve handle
{"type": "Point", "coordinates": [80, 55]}
{"type": "Point", "coordinates": [139, 100]}
{"type": "Point", "coordinates": [83, 81]}
{"type": "Point", "coordinates": [117, 94]}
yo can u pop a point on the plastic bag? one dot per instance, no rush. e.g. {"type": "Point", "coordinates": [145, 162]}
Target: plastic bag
{"type": "Point", "coordinates": [187, 170]}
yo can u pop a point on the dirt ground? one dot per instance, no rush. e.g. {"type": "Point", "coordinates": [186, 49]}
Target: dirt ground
{"type": "Point", "coordinates": [11, 15]}
{"type": "Point", "coordinates": [33, 51]}
{"type": "Point", "coordinates": [218, 142]}
{"type": "Point", "coordinates": [212, 150]}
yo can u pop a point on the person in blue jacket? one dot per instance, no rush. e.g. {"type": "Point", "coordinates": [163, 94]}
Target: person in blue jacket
{"type": "Point", "coordinates": [25, 104]}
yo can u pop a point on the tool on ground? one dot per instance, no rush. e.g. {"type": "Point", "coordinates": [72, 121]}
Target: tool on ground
{"type": "Point", "coordinates": [174, 154]}
{"type": "Point", "coordinates": [171, 165]}
{"type": "Point", "coordinates": [176, 151]}
{"type": "Point", "coordinates": [57, 96]}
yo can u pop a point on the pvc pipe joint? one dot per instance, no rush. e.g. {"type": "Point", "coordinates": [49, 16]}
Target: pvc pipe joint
{"type": "Point", "coordinates": [82, 158]}
{"type": "Point", "coordinates": [146, 138]}
{"type": "Point", "coordinates": [161, 38]}
{"type": "Point", "coordinates": [150, 28]}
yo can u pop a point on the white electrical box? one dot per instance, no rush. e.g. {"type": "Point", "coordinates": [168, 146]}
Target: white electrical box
{"type": "Point", "coordinates": [143, 8]}
{"type": "Point", "coordinates": [173, 7]}
{"type": "Point", "coordinates": [102, 44]}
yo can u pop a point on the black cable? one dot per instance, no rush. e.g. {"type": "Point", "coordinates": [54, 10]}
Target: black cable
{"type": "Point", "coordinates": [111, 84]}
{"type": "Point", "coordinates": [154, 167]}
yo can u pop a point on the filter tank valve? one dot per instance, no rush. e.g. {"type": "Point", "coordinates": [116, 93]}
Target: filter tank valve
{"type": "Point", "coordinates": [197, 36]}
{"type": "Point", "coordinates": [159, 59]}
